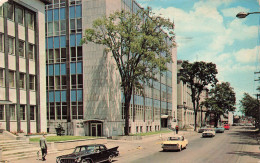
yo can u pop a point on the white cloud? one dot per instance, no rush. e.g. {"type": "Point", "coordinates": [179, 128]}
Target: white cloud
{"type": "Point", "coordinates": [246, 55]}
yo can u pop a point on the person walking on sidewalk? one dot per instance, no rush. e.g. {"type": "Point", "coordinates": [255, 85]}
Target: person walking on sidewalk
{"type": "Point", "coordinates": [43, 145]}
{"type": "Point", "coordinates": [176, 129]}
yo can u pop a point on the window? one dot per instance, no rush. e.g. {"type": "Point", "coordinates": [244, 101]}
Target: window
{"type": "Point", "coordinates": [63, 27]}
{"type": "Point", "coordinates": [19, 12]}
{"type": "Point", "coordinates": [32, 112]}
{"type": "Point", "coordinates": [10, 45]}
{"type": "Point", "coordinates": [30, 20]}
{"type": "Point", "coordinates": [63, 82]}
{"type": "Point", "coordinates": [79, 53]}
{"type": "Point", "coordinates": [1, 10]}
{"type": "Point", "coordinates": [32, 82]}
{"type": "Point", "coordinates": [73, 54]}
{"type": "Point", "coordinates": [22, 81]}
{"type": "Point", "coordinates": [1, 77]}
{"type": "Point", "coordinates": [50, 28]}
{"type": "Point", "coordinates": [2, 112]}
{"type": "Point", "coordinates": [1, 42]}
{"type": "Point", "coordinates": [56, 28]}
{"type": "Point", "coordinates": [22, 112]}
{"type": "Point", "coordinates": [31, 51]}
{"type": "Point", "coordinates": [12, 111]}
{"type": "Point", "coordinates": [51, 59]}
{"type": "Point", "coordinates": [52, 111]}
{"type": "Point", "coordinates": [58, 110]}
{"type": "Point", "coordinates": [64, 110]}
{"type": "Point", "coordinates": [21, 48]}
{"type": "Point", "coordinates": [11, 79]}
{"type": "Point", "coordinates": [10, 13]}
{"type": "Point", "coordinates": [63, 54]}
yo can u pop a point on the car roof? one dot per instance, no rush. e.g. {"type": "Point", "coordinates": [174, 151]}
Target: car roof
{"type": "Point", "coordinates": [89, 145]}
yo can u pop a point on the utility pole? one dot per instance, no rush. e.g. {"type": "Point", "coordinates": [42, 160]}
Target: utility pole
{"type": "Point", "coordinates": [257, 95]}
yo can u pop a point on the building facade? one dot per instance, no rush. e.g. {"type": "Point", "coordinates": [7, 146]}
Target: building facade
{"type": "Point", "coordinates": [185, 106]}
{"type": "Point", "coordinates": [83, 84]}
{"type": "Point", "coordinates": [22, 66]}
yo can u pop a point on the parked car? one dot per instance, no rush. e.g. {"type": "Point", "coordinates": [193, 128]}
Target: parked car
{"type": "Point", "coordinates": [219, 129]}
{"type": "Point", "coordinates": [175, 143]}
{"type": "Point", "coordinates": [226, 126]}
{"type": "Point", "coordinates": [202, 129]}
{"type": "Point", "coordinates": [93, 153]}
{"type": "Point", "coordinates": [210, 132]}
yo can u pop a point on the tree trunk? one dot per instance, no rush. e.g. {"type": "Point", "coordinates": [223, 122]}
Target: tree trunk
{"type": "Point", "coordinates": [126, 109]}
{"type": "Point", "coordinates": [195, 121]}
{"type": "Point", "coordinates": [216, 120]}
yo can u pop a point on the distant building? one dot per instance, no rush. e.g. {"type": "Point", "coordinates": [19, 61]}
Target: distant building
{"type": "Point", "coordinates": [22, 66]}
{"type": "Point", "coordinates": [185, 106]}
{"type": "Point", "coordinates": [230, 118]}
{"type": "Point", "coordinates": [83, 83]}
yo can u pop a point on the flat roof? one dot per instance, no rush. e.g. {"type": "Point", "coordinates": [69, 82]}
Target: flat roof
{"type": "Point", "coordinates": [46, 1]}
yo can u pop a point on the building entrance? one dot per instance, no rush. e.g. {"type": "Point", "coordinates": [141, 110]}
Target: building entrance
{"type": "Point", "coordinates": [96, 129]}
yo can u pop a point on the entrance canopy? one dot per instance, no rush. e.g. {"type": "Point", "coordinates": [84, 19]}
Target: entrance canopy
{"type": "Point", "coordinates": [3, 102]}
{"type": "Point", "coordinates": [93, 120]}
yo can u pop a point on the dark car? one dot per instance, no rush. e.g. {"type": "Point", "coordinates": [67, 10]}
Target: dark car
{"type": "Point", "coordinates": [92, 153]}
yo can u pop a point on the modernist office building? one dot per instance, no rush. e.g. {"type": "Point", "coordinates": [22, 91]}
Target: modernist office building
{"type": "Point", "coordinates": [83, 84]}
{"type": "Point", "coordinates": [22, 66]}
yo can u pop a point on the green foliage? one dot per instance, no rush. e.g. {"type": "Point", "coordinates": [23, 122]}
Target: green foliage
{"type": "Point", "coordinates": [221, 99]}
{"type": "Point", "coordinates": [139, 46]}
{"type": "Point", "coordinates": [198, 75]}
{"type": "Point", "coordinates": [249, 106]}
{"type": "Point", "coordinates": [60, 131]}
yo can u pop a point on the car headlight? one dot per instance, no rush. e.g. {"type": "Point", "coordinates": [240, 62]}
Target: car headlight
{"type": "Point", "coordinates": [78, 159]}
{"type": "Point", "coordinates": [57, 160]}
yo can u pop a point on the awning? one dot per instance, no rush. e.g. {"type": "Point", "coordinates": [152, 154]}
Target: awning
{"type": "Point", "coordinates": [3, 102]}
{"type": "Point", "coordinates": [88, 120]}
{"type": "Point", "coordinates": [164, 116]}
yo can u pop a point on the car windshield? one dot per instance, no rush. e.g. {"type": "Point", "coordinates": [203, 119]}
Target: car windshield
{"type": "Point", "coordinates": [174, 138]}
{"type": "Point", "coordinates": [84, 149]}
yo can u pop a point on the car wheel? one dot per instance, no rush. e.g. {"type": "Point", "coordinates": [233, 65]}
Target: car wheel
{"type": "Point", "coordinates": [85, 161]}
{"type": "Point", "coordinates": [110, 159]}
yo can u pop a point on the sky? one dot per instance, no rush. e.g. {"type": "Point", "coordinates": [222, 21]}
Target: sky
{"type": "Point", "coordinates": [208, 30]}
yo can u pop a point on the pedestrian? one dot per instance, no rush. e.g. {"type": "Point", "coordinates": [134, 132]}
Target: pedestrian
{"type": "Point", "coordinates": [176, 129]}
{"type": "Point", "coordinates": [43, 145]}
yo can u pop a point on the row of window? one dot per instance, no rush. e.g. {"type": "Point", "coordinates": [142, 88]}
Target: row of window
{"type": "Point", "coordinates": [58, 110]}
{"type": "Point", "coordinates": [60, 96]}
{"type": "Point", "coordinates": [21, 47]}
{"type": "Point", "coordinates": [59, 82]}
{"type": "Point", "coordinates": [60, 41]}
{"type": "Point", "coordinates": [20, 14]}
{"type": "Point", "coordinates": [22, 111]}
{"type": "Point", "coordinates": [22, 80]}
{"type": "Point", "coordinates": [59, 55]}
{"type": "Point", "coordinates": [61, 3]}
{"type": "Point", "coordinates": [139, 112]}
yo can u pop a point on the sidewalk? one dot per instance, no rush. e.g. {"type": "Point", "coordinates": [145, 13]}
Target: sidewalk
{"type": "Point", "coordinates": [124, 146]}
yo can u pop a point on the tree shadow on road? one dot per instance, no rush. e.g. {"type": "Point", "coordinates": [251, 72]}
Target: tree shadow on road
{"type": "Point", "coordinates": [244, 153]}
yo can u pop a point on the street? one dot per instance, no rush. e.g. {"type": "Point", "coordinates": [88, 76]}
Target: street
{"type": "Point", "coordinates": [233, 146]}
{"type": "Point", "coordinates": [237, 145]}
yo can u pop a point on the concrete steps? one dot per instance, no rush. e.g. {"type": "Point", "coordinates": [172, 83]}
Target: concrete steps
{"type": "Point", "coordinates": [19, 149]}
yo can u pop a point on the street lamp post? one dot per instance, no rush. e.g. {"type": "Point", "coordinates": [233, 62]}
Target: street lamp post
{"type": "Point", "coordinates": [243, 15]}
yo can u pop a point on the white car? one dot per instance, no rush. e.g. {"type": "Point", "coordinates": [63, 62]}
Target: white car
{"type": "Point", "coordinates": [210, 132]}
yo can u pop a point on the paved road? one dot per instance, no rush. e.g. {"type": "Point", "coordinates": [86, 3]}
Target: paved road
{"type": "Point", "coordinates": [233, 146]}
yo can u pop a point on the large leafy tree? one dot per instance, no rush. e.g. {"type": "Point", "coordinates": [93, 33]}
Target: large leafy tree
{"type": "Point", "coordinates": [250, 106]}
{"type": "Point", "coordinates": [138, 45]}
{"type": "Point", "coordinates": [198, 75]}
{"type": "Point", "coordinates": [222, 99]}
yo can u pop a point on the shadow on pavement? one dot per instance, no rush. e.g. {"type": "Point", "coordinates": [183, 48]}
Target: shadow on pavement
{"type": "Point", "coordinates": [244, 153]}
